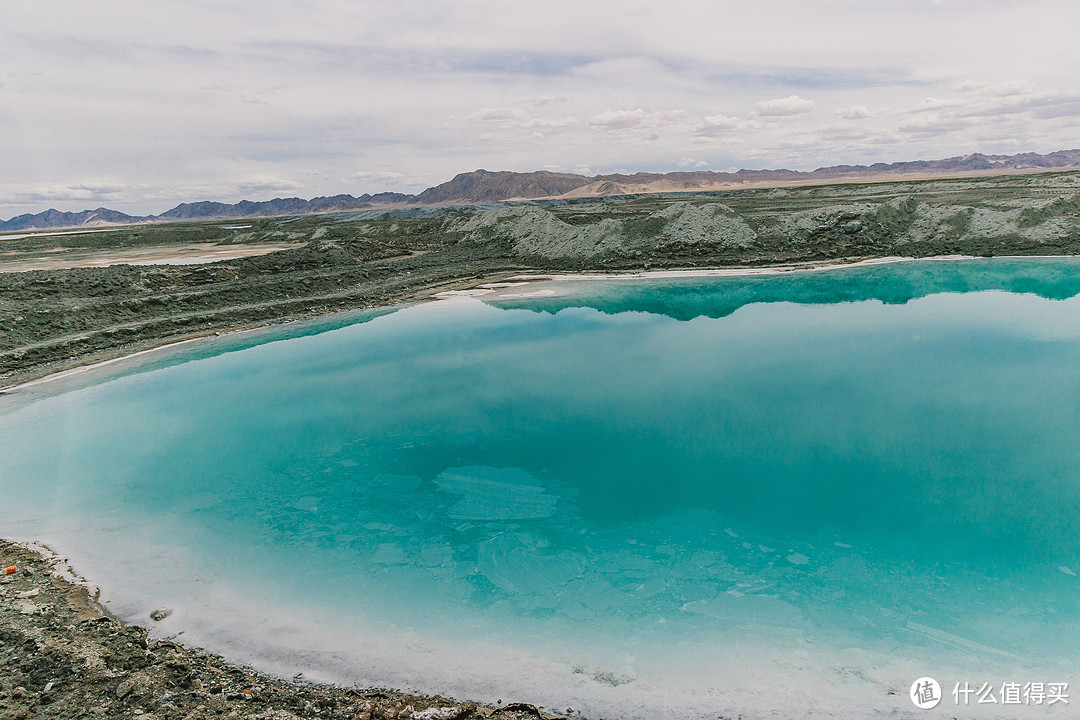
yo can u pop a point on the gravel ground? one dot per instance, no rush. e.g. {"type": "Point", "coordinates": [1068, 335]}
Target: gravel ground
{"type": "Point", "coordinates": [63, 656]}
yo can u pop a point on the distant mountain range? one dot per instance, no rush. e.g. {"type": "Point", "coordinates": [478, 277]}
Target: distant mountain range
{"type": "Point", "coordinates": [485, 186]}
{"type": "Point", "coordinates": [206, 211]}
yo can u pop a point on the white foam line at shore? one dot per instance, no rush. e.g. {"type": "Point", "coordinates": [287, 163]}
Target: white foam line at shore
{"type": "Point", "coordinates": [211, 335]}
{"type": "Point", "coordinates": [58, 564]}
{"type": "Point", "coordinates": [94, 366]}
{"type": "Point", "coordinates": [533, 294]}
{"type": "Point", "coordinates": [469, 293]}
{"type": "Point", "coordinates": [740, 272]}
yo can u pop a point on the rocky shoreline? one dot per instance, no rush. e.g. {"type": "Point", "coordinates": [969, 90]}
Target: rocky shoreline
{"type": "Point", "coordinates": [63, 656]}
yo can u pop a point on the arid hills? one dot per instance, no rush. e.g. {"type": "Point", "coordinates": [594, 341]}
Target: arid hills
{"type": "Point", "coordinates": [486, 186]}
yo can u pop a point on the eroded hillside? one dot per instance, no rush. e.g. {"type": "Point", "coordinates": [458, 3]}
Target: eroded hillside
{"type": "Point", "coordinates": [1017, 215]}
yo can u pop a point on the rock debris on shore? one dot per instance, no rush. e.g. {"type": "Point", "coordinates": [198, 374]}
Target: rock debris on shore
{"type": "Point", "coordinates": [63, 656]}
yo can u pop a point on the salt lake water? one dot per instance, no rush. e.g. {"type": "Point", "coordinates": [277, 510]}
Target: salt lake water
{"type": "Point", "coordinates": [680, 497]}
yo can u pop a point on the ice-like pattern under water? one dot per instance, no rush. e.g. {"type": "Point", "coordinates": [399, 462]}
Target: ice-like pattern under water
{"type": "Point", "coordinates": [684, 497]}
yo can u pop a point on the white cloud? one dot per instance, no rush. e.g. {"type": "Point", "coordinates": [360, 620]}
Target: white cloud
{"type": "Point", "coordinates": [1035, 104]}
{"type": "Point", "coordinates": [853, 113]}
{"type": "Point", "coordinates": [267, 183]}
{"type": "Point", "coordinates": [1003, 89]}
{"type": "Point", "coordinates": [625, 120]}
{"type": "Point", "coordinates": [785, 107]}
{"type": "Point", "coordinates": [854, 133]}
{"type": "Point", "coordinates": [390, 178]}
{"type": "Point", "coordinates": [545, 100]}
{"type": "Point", "coordinates": [497, 115]}
{"type": "Point", "coordinates": [518, 118]}
{"type": "Point", "coordinates": [714, 125]}
{"type": "Point", "coordinates": [860, 112]}
{"type": "Point", "coordinates": [691, 163]}
{"type": "Point", "coordinates": [934, 123]}
{"type": "Point", "coordinates": [933, 103]}
{"type": "Point", "coordinates": [87, 191]}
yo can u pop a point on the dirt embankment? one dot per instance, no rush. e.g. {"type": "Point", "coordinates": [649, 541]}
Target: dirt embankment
{"type": "Point", "coordinates": [63, 657]}
{"type": "Point", "coordinates": [51, 320]}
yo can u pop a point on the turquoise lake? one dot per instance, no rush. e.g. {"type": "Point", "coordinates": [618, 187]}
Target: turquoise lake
{"type": "Point", "coordinates": [679, 497]}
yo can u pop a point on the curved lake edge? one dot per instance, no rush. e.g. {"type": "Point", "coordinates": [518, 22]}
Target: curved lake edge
{"type": "Point", "coordinates": [150, 349]}
{"type": "Point", "coordinates": [89, 629]}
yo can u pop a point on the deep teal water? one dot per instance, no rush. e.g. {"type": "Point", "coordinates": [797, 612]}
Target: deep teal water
{"type": "Point", "coordinates": [874, 468]}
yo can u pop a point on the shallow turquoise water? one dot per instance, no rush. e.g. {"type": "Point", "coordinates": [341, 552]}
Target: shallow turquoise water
{"type": "Point", "coordinates": [628, 497]}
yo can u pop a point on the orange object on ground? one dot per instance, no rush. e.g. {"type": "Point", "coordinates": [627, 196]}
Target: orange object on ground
{"type": "Point", "coordinates": [10, 570]}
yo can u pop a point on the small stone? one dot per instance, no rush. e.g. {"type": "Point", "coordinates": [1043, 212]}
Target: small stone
{"type": "Point", "coordinates": [28, 593]}
{"type": "Point", "coordinates": [25, 607]}
{"type": "Point", "coordinates": [160, 614]}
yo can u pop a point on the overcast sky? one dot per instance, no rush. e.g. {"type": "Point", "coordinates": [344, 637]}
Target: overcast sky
{"type": "Point", "coordinates": [141, 105]}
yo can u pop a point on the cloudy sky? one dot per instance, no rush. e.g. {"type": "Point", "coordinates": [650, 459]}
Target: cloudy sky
{"type": "Point", "coordinates": [142, 105]}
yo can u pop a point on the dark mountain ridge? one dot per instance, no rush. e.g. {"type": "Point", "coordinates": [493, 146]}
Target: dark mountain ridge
{"type": "Point", "coordinates": [484, 185]}
{"type": "Point", "coordinates": [54, 218]}
{"type": "Point", "coordinates": [280, 206]}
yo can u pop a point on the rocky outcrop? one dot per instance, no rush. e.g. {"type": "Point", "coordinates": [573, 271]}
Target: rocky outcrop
{"type": "Point", "coordinates": [536, 232]}
{"type": "Point", "coordinates": [906, 224]}
{"type": "Point", "coordinates": [708, 224]}
{"type": "Point", "coordinates": [485, 186]}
